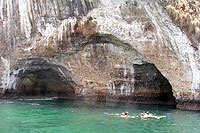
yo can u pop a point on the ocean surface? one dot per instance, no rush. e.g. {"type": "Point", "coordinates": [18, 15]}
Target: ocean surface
{"type": "Point", "coordinates": [75, 116]}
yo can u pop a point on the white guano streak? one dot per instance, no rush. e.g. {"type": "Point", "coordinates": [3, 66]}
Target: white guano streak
{"type": "Point", "coordinates": [108, 21]}
{"type": "Point", "coordinates": [24, 10]}
{"type": "Point", "coordinates": [179, 43]}
{"type": "Point", "coordinates": [1, 9]}
{"type": "Point", "coordinates": [62, 73]}
{"type": "Point", "coordinates": [6, 73]}
{"type": "Point", "coordinates": [8, 79]}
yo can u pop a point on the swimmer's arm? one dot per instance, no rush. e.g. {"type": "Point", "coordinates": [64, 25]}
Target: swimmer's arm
{"type": "Point", "coordinates": [114, 114]}
{"type": "Point", "coordinates": [158, 117]}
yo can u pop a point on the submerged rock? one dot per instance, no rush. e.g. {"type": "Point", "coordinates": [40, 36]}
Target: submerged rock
{"type": "Point", "coordinates": [128, 51]}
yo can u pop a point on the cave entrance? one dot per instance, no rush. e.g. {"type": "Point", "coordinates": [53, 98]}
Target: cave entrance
{"type": "Point", "coordinates": [150, 84]}
{"type": "Point", "coordinates": [129, 76]}
{"type": "Point", "coordinates": [41, 78]}
{"type": "Point", "coordinates": [118, 73]}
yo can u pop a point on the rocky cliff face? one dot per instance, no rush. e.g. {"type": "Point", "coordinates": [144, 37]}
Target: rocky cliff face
{"type": "Point", "coordinates": [97, 49]}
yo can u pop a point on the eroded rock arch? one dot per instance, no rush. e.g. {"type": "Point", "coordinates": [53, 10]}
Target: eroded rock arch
{"type": "Point", "coordinates": [143, 25]}
{"type": "Point", "coordinates": [37, 77]}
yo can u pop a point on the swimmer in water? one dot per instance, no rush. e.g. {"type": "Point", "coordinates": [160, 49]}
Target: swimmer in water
{"type": "Point", "coordinates": [146, 115]}
{"type": "Point", "coordinates": [124, 113]}
{"type": "Point", "coordinates": [150, 115]}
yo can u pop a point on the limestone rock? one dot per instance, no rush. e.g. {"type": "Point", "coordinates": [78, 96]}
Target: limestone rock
{"type": "Point", "coordinates": [101, 43]}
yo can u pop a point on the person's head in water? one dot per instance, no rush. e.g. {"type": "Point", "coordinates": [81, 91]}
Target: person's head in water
{"type": "Point", "coordinates": [126, 113]}
{"type": "Point", "coordinates": [147, 112]}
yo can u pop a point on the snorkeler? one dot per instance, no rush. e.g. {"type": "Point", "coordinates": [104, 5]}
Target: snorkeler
{"type": "Point", "coordinates": [126, 113]}
{"type": "Point", "coordinates": [146, 115]}
{"type": "Point", "coordinates": [123, 115]}
{"type": "Point", "coordinates": [150, 115]}
{"type": "Point", "coordinates": [143, 115]}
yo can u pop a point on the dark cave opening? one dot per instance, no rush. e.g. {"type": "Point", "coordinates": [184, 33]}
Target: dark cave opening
{"type": "Point", "coordinates": [41, 78]}
{"type": "Point", "coordinates": [150, 83]}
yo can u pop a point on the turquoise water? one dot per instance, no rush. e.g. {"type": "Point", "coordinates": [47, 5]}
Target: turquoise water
{"type": "Point", "coordinates": [69, 116]}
